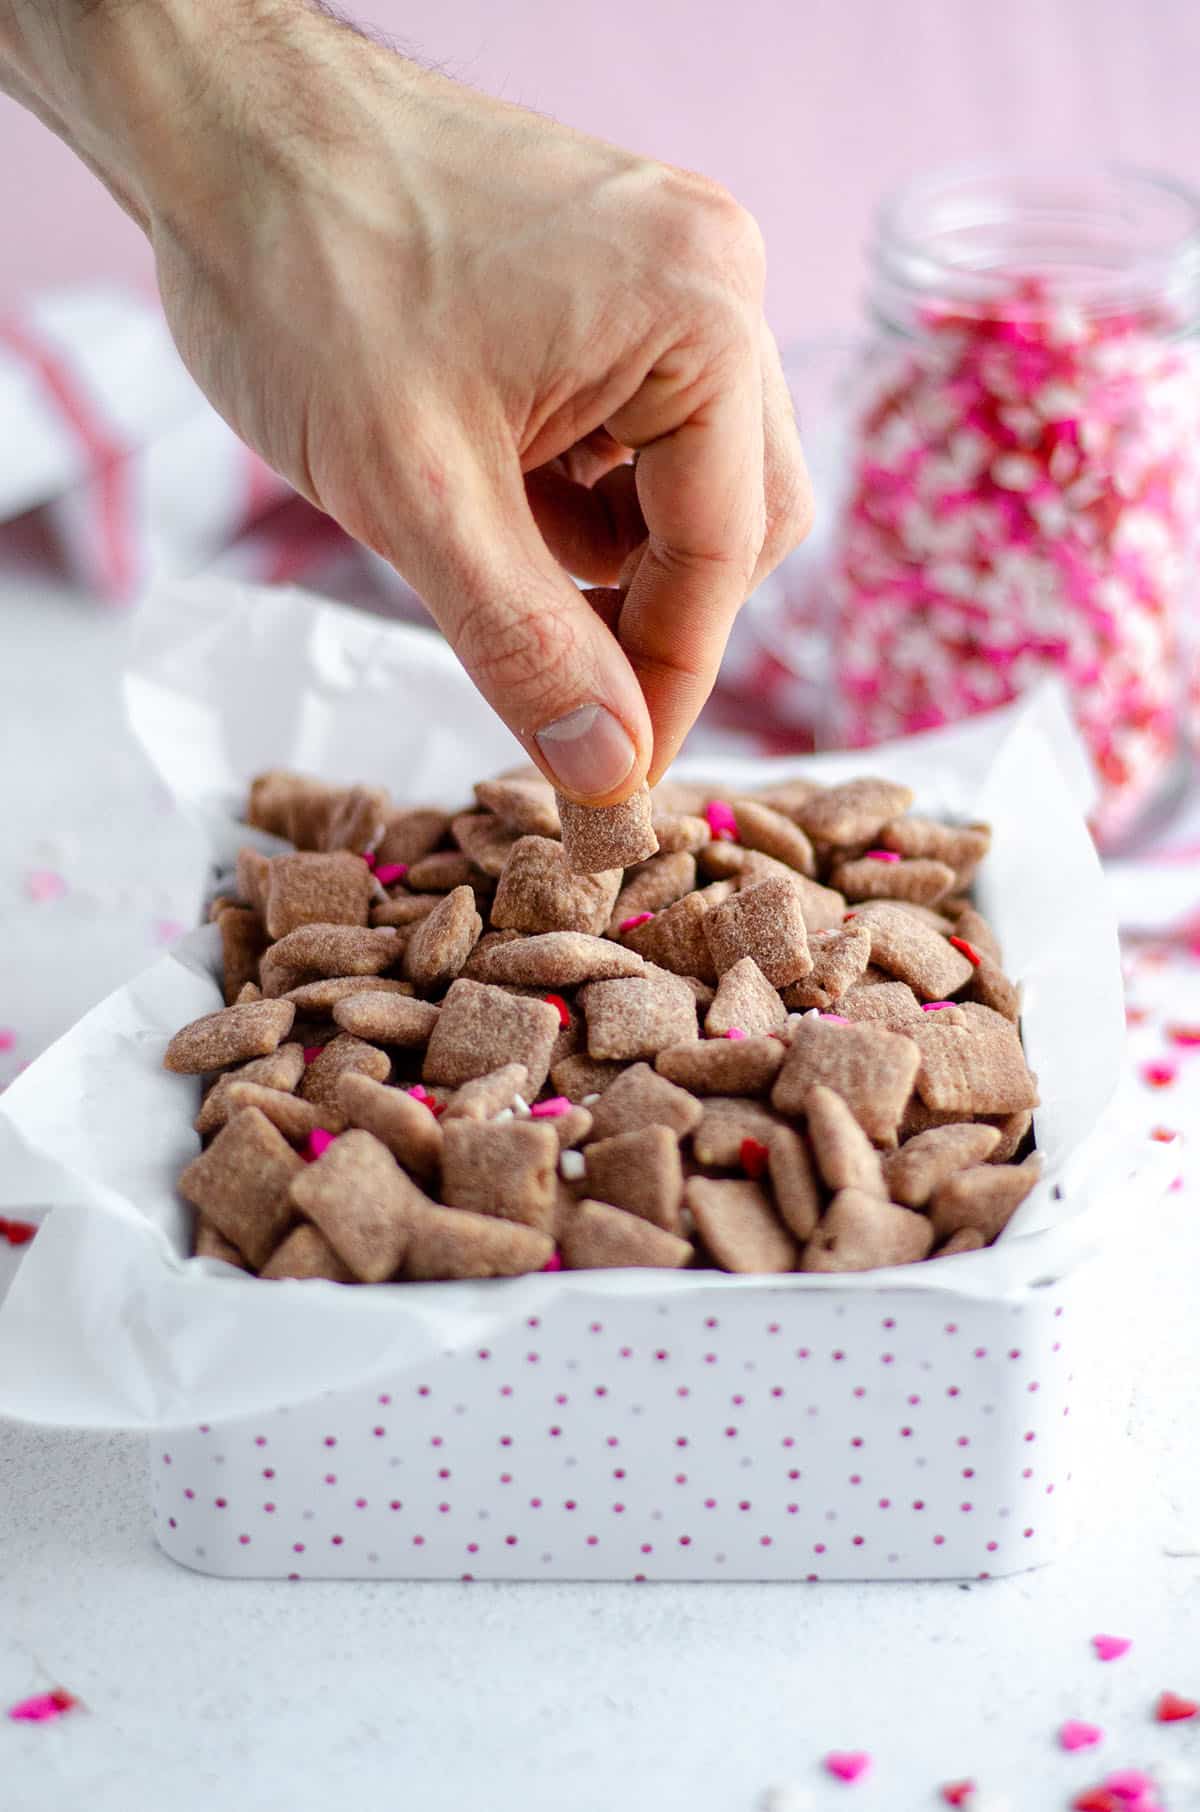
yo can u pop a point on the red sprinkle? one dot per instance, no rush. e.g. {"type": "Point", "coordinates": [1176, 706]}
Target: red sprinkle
{"type": "Point", "coordinates": [388, 872]}
{"type": "Point", "coordinates": [17, 1233]}
{"type": "Point", "coordinates": [1166, 1135]}
{"type": "Point", "coordinates": [1097, 1799]}
{"type": "Point", "coordinates": [969, 951]}
{"type": "Point", "coordinates": [1159, 1075]}
{"type": "Point", "coordinates": [559, 1004]}
{"type": "Point", "coordinates": [882, 855]}
{"type": "Point", "coordinates": [632, 923]}
{"type": "Point", "coordinates": [312, 1052]}
{"type": "Point", "coordinates": [1171, 1709]}
{"type": "Point", "coordinates": [957, 1793]}
{"type": "Point", "coordinates": [316, 1144]}
{"type": "Point", "coordinates": [1131, 1787]}
{"type": "Point", "coordinates": [753, 1155]}
{"type": "Point", "coordinates": [1184, 1035]}
{"type": "Point", "coordinates": [420, 1093]}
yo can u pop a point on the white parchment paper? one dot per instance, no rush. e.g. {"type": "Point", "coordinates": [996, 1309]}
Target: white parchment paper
{"type": "Point", "coordinates": [110, 1323]}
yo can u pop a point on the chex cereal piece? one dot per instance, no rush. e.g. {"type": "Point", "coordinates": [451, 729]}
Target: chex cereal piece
{"type": "Point", "coordinates": [845, 1156]}
{"type": "Point", "coordinates": [724, 861]}
{"type": "Point", "coordinates": [679, 832]}
{"type": "Point", "coordinates": [725, 1125]}
{"type": "Point", "coordinates": [491, 940]}
{"type": "Point", "coordinates": [219, 903]}
{"type": "Point", "coordinates": [411, 832]}
{"type": "Point", "coordinates": [853, 812]}
{"type": "Point", "coordinates": [674, 939]}
{"type": "Point", "coordinates": [319, 1083]}
{"type": "Point", "coordinates": [961, 847]}
{"type": "Point", "coordinates": [888, 1003]}
{"type": "Point", "coordinates": [439, 946]}
{"type": "Point", "coordinates": [639, 1097]}
{"type": "Point", "coordinates": [839, 960]}
{"type": "Point", "coordinates": [307, 1253]}
{"type": "Point", "coordinates": [403, 909]}
{"type": "Point", "coordinates": [858, 1232]}
{"type": "Point", "coordinates": [967, 1239]}
{"type": "Point", "coordinates": [526, 807]}
{"type": "Point", "coordinates": [599, 838]}
{"type": "Point", "coordinates": [765, 922]}
{"type": "Point", "coordinates": [538, 891]}
{"type": "Point", "coordinates": [452, 1243]}
{"type": "Point", "coordinates": [572, 1128]}
{"type": "Point", "coordinates": [387, 1018]}
{"type": "Point", "coordinates": [991, 988]}
{"type": "Point", "coordinates": [484, 839]}
{"type": "Point", "coordinates": [918, 1119]}
{"type": "Point", "coordinates": [985, 1198]}
{"type": "Point", "coordinates": [481, 1028]}
{"type": "Point", "coordinates": [322, 996]}
{"type": "Point", "coordinates": [248, 991]}
{"type": "Point", "coordinates": [241, 1184]}
{"type": "Point", "coordinates": [316, 890]}
{"type": "Point", "coordinates": [761, 827]}
{"type": "Point", "coordinates": [917, 879]}
{"type": "Point", "coordinates": [640, 1171]}
{"type": "Point", "coordinates": [486, 1096]}
{"type": "Point", "coordinates": [936, 919]}
{"type": "Point", "coordinates": [687, 796]}
{"type": "Point", "coordinates": [212, 1244]}
{"type": "Point", "coordinates": [745, 1002]}
{"type": "Point", "coordinates": [281, 1070]}
{"type": "Point", "coordinates": [294, 1118]}
{"type": "Point", "coordinates": [441, 872]}
{"type": "Point", "coordinates": [558, 959]}
{"type": "Point", "coordinates": [872, 1069]}
{"type": "Point", "coordinates": [976, 1067]}
{"type": "Point", "coordinates": [657, 883]}
{"type": "Point", "coordinates": [638, 1015]}
{"type": "Point", "coordinates": [243, 940]}
{"type": "Point", "coordinates": [1013, 1129]}
{"type": "Point", "coordinates": [723, 1066]}
{"type": "Point", "coordinates": [975, 930]}
{"type": "Point", "coordinates": [926, 1161]}
{"type": "Point", "coordinates": [739, 1227]}
{"type": "Point", "coordinates": [508, 1170]}
{"type": "Point", "coordinates": [595, 1236]}
{"type": "Point", "coordinates": [215, 1041]}
{"type": "Point", "coordinates": [276, 797]}
{"type": "Point", "coordinates": [362, 1201]}
{"type": "Point", "coordinates": [793, 1180]}
{"type": "Point", "coordinates": [914, 952]}
{"type": "Point", "coordinates": [577, 1076]}
{"type": "Point", "coordinates": [788, 796]}
{"type": "Point", "coordinates": [405, 1125]}
{"type": "Point", "coordinates": [333, 950]}
{"type": "Point", "coordinates": [356, 819]}
{"type": "Point", "coordinates": [824, 908]}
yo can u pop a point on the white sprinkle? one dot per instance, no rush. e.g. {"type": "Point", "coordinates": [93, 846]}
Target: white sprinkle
{"type": "Point", "coordinates": [590, 1100]}
{"type": "Point", "coordinates": [506, 1113]}
{"type": "Point", "coordinates": [787, 1798]}
{"type": "Point", "coordinates": [1015, 471]}
{"type": "Point", "coordinates": [572, 1166]}
{"type": "Point", "coordinates": [813, 1013]}
{"type": "Point", "coordinates": [519, 1105]}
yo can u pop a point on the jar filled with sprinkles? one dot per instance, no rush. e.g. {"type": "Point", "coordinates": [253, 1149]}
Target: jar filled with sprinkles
{"type": "Point", "coordinates": [1023, 483]}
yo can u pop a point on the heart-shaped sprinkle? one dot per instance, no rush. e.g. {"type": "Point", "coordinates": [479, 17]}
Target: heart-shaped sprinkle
{"type": "Point", "coordinates": [1111, 1648]}
{"type": "Point", "coordinates": [559, 1004]}
{"type": "Point", "coordinates": [312, 1052]}
{"type": "Point", "coordinates": [850, 1766]}
{"type": "Point", "coordinates": [735, 1032]}
{"type": "Point", "coordinates": [1096, 1799]}
{"type": "Point", "coordinates": [387, 873]}
{"type": "Point", "coordinates": [958, 1793]}
{"type": "Point", "coordinates": [16, 1233]}
{"type": "Point", "coordinates": [721, 821]}
{"type": "Point", "coordinates": [753, 1155]}
{"type": "Point", "coordinates": [1131, 1787]}
{"type": "Point", "coordinates": [1165, 1135]}
{"type": "Point", "coordinates": [554, 1262]}
{"type": "Point", "coordinates": [1159, 1075]}
{"type": "Point", "coordinates": [317, 1144]}
{"type": "Point", "coordinates": [1075, 1734]}
{"type": "Point", "coordinates": [1172, 1709]}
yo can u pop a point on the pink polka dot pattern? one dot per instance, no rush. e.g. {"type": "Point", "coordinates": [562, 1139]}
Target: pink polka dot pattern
{"type": "Point", "coordinates": [657, 1440]}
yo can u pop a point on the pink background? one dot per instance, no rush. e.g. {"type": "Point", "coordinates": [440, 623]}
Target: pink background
{"type": "Point", "coordinates": [806, 109]}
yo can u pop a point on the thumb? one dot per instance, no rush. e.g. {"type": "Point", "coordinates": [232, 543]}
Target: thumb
{"type": "Point", "coordinates": [531, 642]}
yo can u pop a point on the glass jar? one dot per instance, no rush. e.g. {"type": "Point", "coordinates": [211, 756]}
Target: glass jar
{"type": "Point", "coordinates": [1022, 482]}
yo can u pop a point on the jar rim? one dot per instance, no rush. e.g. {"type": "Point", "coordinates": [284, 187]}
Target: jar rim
{"type": "Point", "coordinates": [1107, 236]}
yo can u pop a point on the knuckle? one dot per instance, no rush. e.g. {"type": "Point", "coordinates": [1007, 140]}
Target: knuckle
{"type": "Point", "coordinates": [710, 231]}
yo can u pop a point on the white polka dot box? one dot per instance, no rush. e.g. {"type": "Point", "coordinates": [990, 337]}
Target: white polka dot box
{"type": "Point", "coordinates": [929, 1421]}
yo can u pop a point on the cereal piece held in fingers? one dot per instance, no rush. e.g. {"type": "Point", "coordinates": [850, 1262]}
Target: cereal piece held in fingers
{"type": "Point", "coordinates": [441, 943]}
{"type": "Point", "coordinates": [985, 1198]}
{"type": "Point", "coordinates": [1014, 1130]}
{"type": "Point", "coordinates": [674, 938]}
{"type": "Point", "coordinates": [486, 1096]}
{"type": "Point", "coordinates": [404, 909]}
{"type": "Point", "coordinates": [598, 838]}
{"type": "Point", "coordinates": [655, 885]}
{"type": "Point", "coordinates": [898, 878]}
{"type": "Point", "coordinates": [765, 922]}
{"type": "Point", "coordinates": [453, 1243]}
{"type": "Point", "coordinates": [319, 1083]}
{"type": "Point", "coordinates": [362, 1201]}
{"type": "Point", "coordinates": [793, 1181]}
{"type": "Point", "coordinates": [212, 1244]}
{"type": "Point", "coordinates": [872, 1069]}
{"type": "Point", "coordinates": [845, 1156]}
{"type": "Point", "coordinates": [481, 1028]}
{"type": "Point", "coordinates": [888, 1003]}
{"type": "Point", "coordinates": [723, 1066]}
{"type": "Point", "coordinates": [215, 1041]}
{"type": "Point", "coordinates": [398, 1120]}
{"type": "Point", "coordinates": [853, 812]}
{"type": "Point", "coordinates": [578, 1075]}
{"type": "Point", "coordinates": [739, 1227]}
{"type": "Point", "coordinates": [410, 832]}
{"type": "Point", "coordinates": [926, 1161]}
{"type": "Point", "coordinates": [307, 1253]}
{"type": "Point", "coordinates": [316, 890]}
{"type": "Point", "coordinates": [638, 1015]}
{"type": "Point", "coordinates": [914, 952]}
{"type": "Point", "coordinates": [241, 1184]}
{"type": "Point", "coordinates": [640, 1171]}
{"type": "Point", "coordinates": [357, 818]}
{"type": "Point", "coordinates": [745, 1002]}
{"type": "Point", "coordinates": [329, 950]}
{"type": "Point", "coordinates": [294, 1118]}
{"type": "Point", "coordinates": [539, 892]}
{"type": "Point", "coordinates": [281, 1070]}
{"type": "Point", "coordinates": [485, 840]}
{"type": "Point", "coordinates": [599, 1237]}
{"type": "Point", "coordinates": [639, 1097]}
{"type": "Point", "coordinates": [762, 828]}
{"type": "Point", "coordinates": [859, 1232]}
{"type": "Point", "coordinates": [558, 959]}
{"type": "Point", "coordinates": [526, 807]}
{"type": "Point", "coordinates": [387, 1018]}
{"type": "Point", "coordinates": [243, 940]}
{"type": "Point", "coordinates": [726, 1123]}
{"type": "Point", "coordinates": [508, 1169]}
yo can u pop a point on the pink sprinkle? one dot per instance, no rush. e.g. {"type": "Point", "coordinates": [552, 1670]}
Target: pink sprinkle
{"type": "Point", "coordinates": [43, 1707]}
{"type": "Point", "coordinates": [1159, 1075]}
{"type": "Point", "coordinates": [387, 872]}
{"type": "Point", "coordinates": [1077, 1735]}
{"type": "Point", "coordinates": [167, 930]}
{"type": "Point", "coordinates": [1130, 1785]}
{"type": "Point", "coordinates": [935, 1006]}
{"type": "Point", "coordinates": [369, 857]}
{"type": "Point", "coordinates": [44, 884]}
{"type": "Point", "coordinates": [721, 821]}
{"type": "Point", "coordinates": [312, 1052]}
{"type": "Point", "coordinates": [1111, 1648]}
{"type": "Point", "coordinates": [418, 1091]}
{"type": "Point", "coordinates": [553, 1109]}
{"type": "Point", "coordinates": [638, 918]}
{"type": "Point", "coordinates": [835, 1019]}
{"type": "Point", "coordinates": [735, 1032]}
{"type": "Point", "coordinates": [882, 855]}
{"type": "Point", "coordinates": [848, 1767]}
{"type": "Point", "coordinates": [318, 1141]}
{"type": "Point", "coordinates": [1187, 1036]}
{"type": "Point", "coordinates": [554, 1262]}
{"type": "Point", "coordinates": [8, 1038]}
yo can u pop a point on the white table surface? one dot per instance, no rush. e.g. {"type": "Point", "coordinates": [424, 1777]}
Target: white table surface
{"type": "Point", "coordinates": [538, 1698]}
